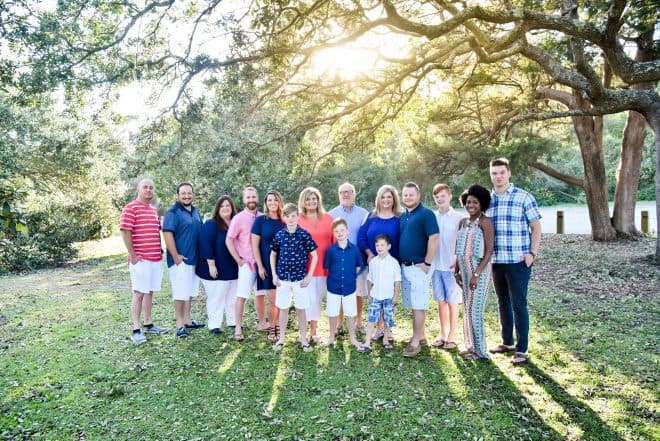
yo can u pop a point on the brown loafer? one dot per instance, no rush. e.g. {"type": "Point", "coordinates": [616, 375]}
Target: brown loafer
{"type": "Point", "coordinates": [519, 358]}
{"type": "Point", "coordinates": [500, 349]}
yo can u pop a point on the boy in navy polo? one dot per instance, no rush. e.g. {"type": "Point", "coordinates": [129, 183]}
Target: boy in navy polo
{"type": "Point", "coordinates": [343, 262]}
{"type": "Point", "coordinates": [290, 250]}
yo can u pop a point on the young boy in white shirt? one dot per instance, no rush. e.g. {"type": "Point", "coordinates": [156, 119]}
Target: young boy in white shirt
{"type": "Point", "coordinates": [383, 284]}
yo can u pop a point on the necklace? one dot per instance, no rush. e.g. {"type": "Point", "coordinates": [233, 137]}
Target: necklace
{"type": "Point", "coordinates": [472, 223]}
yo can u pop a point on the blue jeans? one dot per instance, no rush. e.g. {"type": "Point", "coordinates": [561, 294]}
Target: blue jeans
{"type": "Point", "coordinates": [511, 281]}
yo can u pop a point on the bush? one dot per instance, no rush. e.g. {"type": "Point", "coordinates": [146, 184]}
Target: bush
{"type": "Point", "coordinates": [53, 232]}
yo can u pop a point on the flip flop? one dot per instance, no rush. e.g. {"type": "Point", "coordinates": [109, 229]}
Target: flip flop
{"type": "Point", "coordinates": [364, 349]}
{"type": "Point", "coordinates": [239, 337]}
{"type": "Point", "coordinates": [438, 343]}
{"type": "Point", "coordinates": [449, 345]}
{"type": "Point", "coordinates": [388, 346]}
{"type": "Point", "coordinates": [306, 347]}
{"type": "Point", "coordinates": [277, 346]}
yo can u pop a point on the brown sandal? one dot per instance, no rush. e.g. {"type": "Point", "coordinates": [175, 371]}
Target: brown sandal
{"type": "Point", "coordinates": [272, 333]}
{"type": "Point", "coordinates": [449, 345]}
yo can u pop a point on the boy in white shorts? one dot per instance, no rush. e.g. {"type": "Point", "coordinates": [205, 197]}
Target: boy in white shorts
{"type": "Point", "coordinates": [384, 283]}
{"type": "Point", "coordinates": [343, 262]}
{"type": "Point", "coordinates": [290, 250]}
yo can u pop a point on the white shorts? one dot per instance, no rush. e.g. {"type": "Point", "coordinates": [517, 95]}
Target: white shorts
{"type": "Point", "coordinates": [361, 283]}
{"type": "Point", "coordinates": [316, 290]}
{"type": "Point", "coordinates": [415, 284]}
{"type": "Point", "coordinates": [184, 281]}
{"type": "Point", "coordinates": [335, 301]}
{"type": "Point", "coordinates": [246, 282]}
{"type": "Point", "coordinates": [146, 276]}
{"type": "Point", "coordinates": [286, 290]}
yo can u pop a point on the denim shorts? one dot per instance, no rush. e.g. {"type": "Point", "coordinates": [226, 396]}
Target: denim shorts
{"type": "Point", "coordinates": [386, 307]}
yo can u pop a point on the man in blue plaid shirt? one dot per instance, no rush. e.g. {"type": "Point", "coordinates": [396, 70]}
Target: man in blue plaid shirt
{"type": "Point", "coordinates": [517, 223]}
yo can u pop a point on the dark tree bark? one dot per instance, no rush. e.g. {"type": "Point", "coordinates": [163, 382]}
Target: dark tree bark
{"type": "Point", "coordinates": [632, 146]}
{"type": "Point", "coordinates": [589, 131]}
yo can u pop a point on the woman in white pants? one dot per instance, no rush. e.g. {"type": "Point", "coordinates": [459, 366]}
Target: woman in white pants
{"type": "Point", "coordinates": [216, 268]}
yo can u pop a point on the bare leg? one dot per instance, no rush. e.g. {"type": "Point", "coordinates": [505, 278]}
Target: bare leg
{"type": "Point", "coordinates": [136, 308]}
{"type": "Point", "coordinates": [273, 311]}
{"type": "Point", "coordinates": [240, 309]}
{"type": "Point", "coordinates": [260, 307]}
{"type": "Point", "coordinates": [302, 324]}
{"type": "Point", "coordinates": [351, 331]}
{"type": "Point", "coordinates": [360, 304]}
{"type": "Point", "coordinates": [443, 313]}
{"type": "Point", "coordinates": [147, 302]}
{"type": "Point", "coordinates": [187, 318]}
{"type": "Point", "coordinates": [453, 319]}
{"type": "Point", "coordinates": [179, 313]}
{"type": "Point", "coordinates": [419, 315]}
{"type": "Point", "coordinates": [333, 330]}
{"type": "Point", "coordinates": [313, 325]}
{"type": "Point", "coordinates": [370, 333]}
{"type": "Point", "coordinates": [284, 318]}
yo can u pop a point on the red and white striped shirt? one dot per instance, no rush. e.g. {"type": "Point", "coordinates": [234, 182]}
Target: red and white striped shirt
{"type": "Point", "coordinates": [142, 221]}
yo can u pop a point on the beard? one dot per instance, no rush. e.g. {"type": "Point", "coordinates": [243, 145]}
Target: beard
{"type": "Point", "coordinates": [251, 206]}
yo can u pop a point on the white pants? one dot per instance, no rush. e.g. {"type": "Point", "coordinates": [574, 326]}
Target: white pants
{"type": "Point", "coordinates": [220, 301]}
{"type": "Point", "coordinates": [316, 290]}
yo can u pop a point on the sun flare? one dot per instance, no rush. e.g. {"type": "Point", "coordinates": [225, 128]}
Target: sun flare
{"type": "Point", "coordinates": [344, 63]}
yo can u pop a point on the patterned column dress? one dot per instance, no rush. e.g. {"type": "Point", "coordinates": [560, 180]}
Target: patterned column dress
{"type": "Point", "coordinates": [470, 248]}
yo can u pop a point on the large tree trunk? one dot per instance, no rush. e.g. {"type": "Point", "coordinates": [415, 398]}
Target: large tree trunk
{"type": "Point", "coordinates": [632, 146]}
{"type": "Point", "coordinates": [589, 131]}
{"type": "Point", "coordinates": [627, 183]}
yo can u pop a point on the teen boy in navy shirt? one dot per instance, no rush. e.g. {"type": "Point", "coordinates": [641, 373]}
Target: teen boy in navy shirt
{"type": "Point", "coordinates": [289, 251]}
{"type": "Point", "coordinates": [343, 262]}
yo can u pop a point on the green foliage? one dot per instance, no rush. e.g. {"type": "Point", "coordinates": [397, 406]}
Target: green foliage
{"type": "Point", "coordinates": [59, 178]}
{"type": "Point", "coordinates": [12, 221]}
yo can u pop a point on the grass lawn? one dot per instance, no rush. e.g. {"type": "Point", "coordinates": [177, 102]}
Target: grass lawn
{"type": "Point", "coordinates": [70, 372]}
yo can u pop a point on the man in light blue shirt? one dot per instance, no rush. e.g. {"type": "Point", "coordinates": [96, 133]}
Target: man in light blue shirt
{"type": "Point", "coordinates": [354, 217]}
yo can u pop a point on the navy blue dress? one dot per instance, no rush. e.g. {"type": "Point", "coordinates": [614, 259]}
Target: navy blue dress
{"type": "Point", "coordinates": [265, 228]}
{"type": "Point", "coordinates": [212, 246]}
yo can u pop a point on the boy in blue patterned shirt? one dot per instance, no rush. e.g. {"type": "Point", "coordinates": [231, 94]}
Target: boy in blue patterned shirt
{"type": "Point", "coordinates": [290, 250]}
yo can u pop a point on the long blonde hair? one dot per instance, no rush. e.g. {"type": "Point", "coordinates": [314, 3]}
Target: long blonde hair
{"type": "Point", "coordinates": [304, 195]}
{"type": "Point", "coordinates": [396, 206]}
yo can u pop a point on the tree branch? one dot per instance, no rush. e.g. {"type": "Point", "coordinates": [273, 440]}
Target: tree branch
{"type": "Point", "coordinates": [572, 180]}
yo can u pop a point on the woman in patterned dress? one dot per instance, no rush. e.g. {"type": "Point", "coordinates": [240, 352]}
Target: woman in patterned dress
{"type": "Point", "coordinates": [474, 248]}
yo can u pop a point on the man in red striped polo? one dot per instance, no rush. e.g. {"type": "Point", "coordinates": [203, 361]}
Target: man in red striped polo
{"type": "Point", "coordinates": [140, 230]}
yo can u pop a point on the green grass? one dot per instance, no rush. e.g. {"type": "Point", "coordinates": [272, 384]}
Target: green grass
{"type": "Point", "coordinates": [69, 372]}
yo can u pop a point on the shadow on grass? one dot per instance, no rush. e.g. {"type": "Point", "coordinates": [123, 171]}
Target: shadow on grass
{"type": "Point", "coordinates": [509, 414]}
{"type": "Point", "coordinates": [579, 413]}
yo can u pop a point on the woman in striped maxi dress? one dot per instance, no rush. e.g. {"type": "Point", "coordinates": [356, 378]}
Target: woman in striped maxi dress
{"type": "Point", "coordinates": [474, 248]}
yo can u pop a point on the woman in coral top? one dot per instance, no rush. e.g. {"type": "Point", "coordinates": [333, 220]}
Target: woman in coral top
{"type": "Point", "coordinates": [318, 223]}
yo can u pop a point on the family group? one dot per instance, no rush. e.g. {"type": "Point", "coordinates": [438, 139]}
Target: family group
{"type": "Point", "coordinates": [301, 254]}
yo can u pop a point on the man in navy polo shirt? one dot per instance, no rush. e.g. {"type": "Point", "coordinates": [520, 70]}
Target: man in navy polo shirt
{"type": "Point", "coordinates": [418, 242]}
{"type": "Point", "coordinates": [181, 228]}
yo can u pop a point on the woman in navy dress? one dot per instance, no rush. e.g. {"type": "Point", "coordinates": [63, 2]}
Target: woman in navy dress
{"type": "Point", "coordinates": [263, 231]}
{"type": "Point", "coordinates": [216, 268]}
